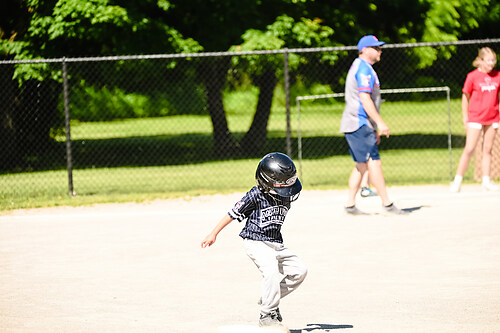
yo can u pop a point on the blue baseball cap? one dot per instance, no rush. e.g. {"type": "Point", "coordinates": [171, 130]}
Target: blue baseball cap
{"type": "Point", "coordinates": [369, 40]}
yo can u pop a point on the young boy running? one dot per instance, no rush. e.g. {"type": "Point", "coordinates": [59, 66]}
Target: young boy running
{"type": "Point", "coordinates": [265, 207]}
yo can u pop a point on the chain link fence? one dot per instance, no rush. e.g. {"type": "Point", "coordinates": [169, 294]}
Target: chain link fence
{"type": "Point", "coordinates": [199, 123]}
{"type": "Point", "coordinates": [440, 110]}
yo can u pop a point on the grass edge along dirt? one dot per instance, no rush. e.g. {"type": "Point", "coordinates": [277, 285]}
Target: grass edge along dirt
{"type": "Point", "coordinates": [120, 185]}
{"type": "Point", "coordinates": [132, 184]}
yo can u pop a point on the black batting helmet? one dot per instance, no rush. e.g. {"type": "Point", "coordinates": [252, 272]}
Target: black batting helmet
{"type": "Point", "coordinates": [277, 172]}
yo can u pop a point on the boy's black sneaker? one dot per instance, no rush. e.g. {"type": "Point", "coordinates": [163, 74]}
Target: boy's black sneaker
{"type": "Point", "coordinates": [278, 315]}
{"type": "Point", "coordinates": [270, 319]}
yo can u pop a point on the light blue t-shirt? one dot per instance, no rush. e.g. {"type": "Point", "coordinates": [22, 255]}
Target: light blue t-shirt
{"type": "Point", "coordinates": [361, 78]}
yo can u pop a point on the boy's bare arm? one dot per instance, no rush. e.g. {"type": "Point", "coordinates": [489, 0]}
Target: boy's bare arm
{"type": "Point", "coordinates": [211, 237]}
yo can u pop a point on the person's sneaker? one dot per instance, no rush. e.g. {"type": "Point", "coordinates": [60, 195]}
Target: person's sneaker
{"type": "Point", "coordinates": [455, 187]}
{"type": "Point", "coordinates": [278, 314]}
{"type": "Point", "coordinates": [353, 210]}
{"type": "Point", "coordinates": [270, 319]}
{"type": "Point", "coordinates": [394, 210]}
{"type": "Point", "coordinates": [367, 192]}
{"type": "Point", "coordinates": [490, 186]}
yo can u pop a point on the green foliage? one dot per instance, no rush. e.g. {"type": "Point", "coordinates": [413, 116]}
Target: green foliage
{"type": "Point", "coordinates": [258, 40]}
{"type": "Point", "coordinates": [103, 27]}
{"type": "Point", "coordinates": [25, 72]}
{"type": "Point", "coordinates": [320, 89]}
{"type": "Point", "coordinates": [445, 21]}
{"type": "Point", "coordinates": [284, 32]}
{"type": "Point", "coordinates": [302, 89]}
{"type": "Point", "coordinates": [52, 29]}
{"type": "Point", "coordinates": [304, 33]}
{"type": "Point", "coordinates": [105, 104]}
{"type": "Point", "coordinates": [92, 27]}
{"type": "Point", "coordinates": [89, 103]}
{"type": "Point", "coordinates": [74, 19]}
{"type": "Point", "coordinates": [240, 101]}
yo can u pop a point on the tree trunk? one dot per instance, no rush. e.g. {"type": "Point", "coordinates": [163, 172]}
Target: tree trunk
{"type": "Point", "coordinates": [214, 78]}
{"type": "Point", "coordinates": [254, 139]}
{"type": "Point", "coordinates": [9, 156]}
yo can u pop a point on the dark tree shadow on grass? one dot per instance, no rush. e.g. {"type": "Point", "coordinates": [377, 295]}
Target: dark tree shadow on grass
{"type": "Point", "coordinates": [197, 148]}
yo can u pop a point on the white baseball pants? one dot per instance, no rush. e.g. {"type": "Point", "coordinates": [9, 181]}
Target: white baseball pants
{"type": "Point", "coordinates": [282, 271]}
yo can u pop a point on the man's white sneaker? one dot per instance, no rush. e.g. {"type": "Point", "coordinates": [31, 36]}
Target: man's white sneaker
{"type": "Point", "coordinates": [454, 187]}
{"type": "Point", "coordinates": [490, 186]}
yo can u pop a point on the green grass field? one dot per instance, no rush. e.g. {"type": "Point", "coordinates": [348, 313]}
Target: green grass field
{"type": "Point", "coordinates": [416, 153]}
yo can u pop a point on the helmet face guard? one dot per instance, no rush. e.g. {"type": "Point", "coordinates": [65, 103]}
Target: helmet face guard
{"type": "Point", "coordinates": [276, 172]}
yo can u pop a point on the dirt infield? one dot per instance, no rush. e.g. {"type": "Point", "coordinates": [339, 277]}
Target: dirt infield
{"type": "Point", "coordinates": [140, 267]}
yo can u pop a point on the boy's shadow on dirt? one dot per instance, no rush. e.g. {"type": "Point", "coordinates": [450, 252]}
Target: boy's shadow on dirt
{"type": "Point", "coordinates": [320, 328]}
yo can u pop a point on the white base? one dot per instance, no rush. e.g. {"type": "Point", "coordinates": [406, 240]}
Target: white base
{"type": "Point", "coordinates": [252, 329]}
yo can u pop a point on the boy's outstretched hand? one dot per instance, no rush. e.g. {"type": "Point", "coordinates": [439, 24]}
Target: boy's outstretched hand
{"type": "Point", "coordinates": [208, 241]}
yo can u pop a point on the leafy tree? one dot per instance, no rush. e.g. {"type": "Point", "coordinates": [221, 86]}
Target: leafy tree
{"type": "Point", "coordinates": [32, 29]}
{"type": "Point", "coordinates": [217, 25]}
{"type": "Point", "coordinates": [285, 31]}
{"type": "Point", "coordinates": [394, 21]}
{"type": "Point", "coordinates": [69, 28]}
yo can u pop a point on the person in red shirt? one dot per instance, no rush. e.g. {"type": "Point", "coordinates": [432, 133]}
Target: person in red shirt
{"type": "Point", "coordinates": [480, 115]}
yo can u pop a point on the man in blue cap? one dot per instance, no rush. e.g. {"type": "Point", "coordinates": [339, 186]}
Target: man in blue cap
{"type": "Point", "coordinates": [362, 124]}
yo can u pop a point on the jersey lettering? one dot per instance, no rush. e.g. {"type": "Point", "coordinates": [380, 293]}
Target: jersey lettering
{"type": "Point", "coordinates": [264, 214]}
{"type": "Point", "coordinates": [365, 80]}
{"type": "Point", "coordinates": [273, 215]}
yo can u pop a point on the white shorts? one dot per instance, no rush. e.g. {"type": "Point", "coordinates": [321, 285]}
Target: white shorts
{"type": "Point", "coordinates": [480, 126]}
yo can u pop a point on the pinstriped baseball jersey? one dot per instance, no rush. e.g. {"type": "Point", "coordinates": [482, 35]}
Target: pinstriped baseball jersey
{"type": "Point", "coordinates": [361, 78]}
{"type": "Point", "coordinates": [265, 214]}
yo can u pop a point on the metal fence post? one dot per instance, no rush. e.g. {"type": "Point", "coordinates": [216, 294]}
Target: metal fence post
{"type": "Point", "coordinates": [299, 139]}
{"type": "Point", "coordinates": [449, 133]}
{"type": "Point", "coordinates": [287, 104]}
{"type": "Point", "coordinates": [68, 127]}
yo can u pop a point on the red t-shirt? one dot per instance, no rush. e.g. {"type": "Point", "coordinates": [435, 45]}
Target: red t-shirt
{"type": "Point", "coordinates": [483, 89]}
